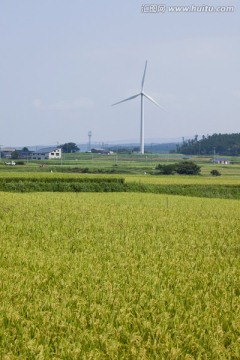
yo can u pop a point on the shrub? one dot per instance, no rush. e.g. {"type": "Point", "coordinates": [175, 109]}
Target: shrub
{"type": "Point", "coordinates": [169, 169]}
{"type": "Point", "coordinates": [188, 168]}
{"type": "Point", "coordinates": [215, 173]}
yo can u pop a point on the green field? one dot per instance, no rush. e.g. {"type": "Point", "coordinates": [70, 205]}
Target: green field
{"type": "Point", "coordinates": [134, 164]}
{"type": "Point", "coordinates": [119, 276]}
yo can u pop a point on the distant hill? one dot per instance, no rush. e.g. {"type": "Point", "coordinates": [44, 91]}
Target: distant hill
{"type": "Point", "coordinates": [221, 144]}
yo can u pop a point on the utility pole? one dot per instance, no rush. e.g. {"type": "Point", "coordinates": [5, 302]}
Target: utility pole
{"type": "Point", "coordinates": [89, 140]}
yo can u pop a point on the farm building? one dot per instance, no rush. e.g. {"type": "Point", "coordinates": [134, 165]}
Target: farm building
{"type": "Point", "coordinates": [223, 161]}
{"type": "Point", "coordinates": [7, 152]}
{"type": "Point", "coordinates": [47, 153]}
{"type": "Point", "coordinates": [101, 151]}
{"type": "Point", "coordinates": [24, 154]}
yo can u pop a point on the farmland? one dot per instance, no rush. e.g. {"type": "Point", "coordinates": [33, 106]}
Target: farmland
{"type": "Point", "coordinates": [134, 164]}
{"type": "Point", "coordinates": [91, 273]}
{"type": "Point", "coordinates": [116, 275]}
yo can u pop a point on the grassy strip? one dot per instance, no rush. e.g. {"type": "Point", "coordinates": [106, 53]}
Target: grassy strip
{"type": "Point", "coordinates": [62, 186]}
{"type": "Point", "coordinates": [47, 180]}
{"type": "Point", "coordinates": [116, 185]}
{"type": "Point", "coordinates": [209, 191]}
{"type": "Point", "coordinates": [42, 184]}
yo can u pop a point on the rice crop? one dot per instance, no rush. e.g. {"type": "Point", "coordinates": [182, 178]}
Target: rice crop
{"type": "Point", "coordinates": [183, 179]}
{"type": "Point", "coordinates": [119, 276]}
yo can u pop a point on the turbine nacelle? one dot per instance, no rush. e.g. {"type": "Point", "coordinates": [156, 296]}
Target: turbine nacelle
{"type": "Point", "coordinates": [134, 96]}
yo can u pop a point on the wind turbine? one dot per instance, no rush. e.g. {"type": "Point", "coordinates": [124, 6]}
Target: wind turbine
{"type": "Point", "coordinates": [143, 94]}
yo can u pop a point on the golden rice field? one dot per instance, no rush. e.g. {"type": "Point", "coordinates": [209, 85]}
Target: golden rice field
{"type": "Point", "coordinates": [119, 276]}
{"type": "Point", "coordinates": [146, 179]}
{"type": "Point", "coordinates": [183, 179]}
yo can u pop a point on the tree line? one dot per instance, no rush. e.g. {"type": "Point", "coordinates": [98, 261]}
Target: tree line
{"type": "Point", "coordinates": [221, 144]}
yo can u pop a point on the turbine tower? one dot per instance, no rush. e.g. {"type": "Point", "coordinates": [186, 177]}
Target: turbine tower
{"type": "Point", "coordinates": [142, 94]}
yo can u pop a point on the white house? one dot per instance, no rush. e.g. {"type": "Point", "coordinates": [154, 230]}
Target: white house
{"type": "Point", "coordinates": [223, 161]}
{"type": "Point", "coordinates": [47, 153]}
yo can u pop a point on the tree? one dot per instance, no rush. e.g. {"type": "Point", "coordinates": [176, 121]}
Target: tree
{"type": "Point", "coordinates": [215, 172]}
{"type": "Point", "coordinates": [188, 168]}
{"type": "Point", "coordinates": [195, 138]}
{"type": "Point", "coordinates": [69, 147]}
{"type": "Point", "coordinates": [15, 155]}
{"type": "Point", "coordinates": [25, 149]}
{"type": "Point", "coordinates": [169, 169]}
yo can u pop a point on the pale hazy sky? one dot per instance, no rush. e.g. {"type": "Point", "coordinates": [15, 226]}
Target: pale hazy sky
{"type": "Point", "coordinates": [64, 62]}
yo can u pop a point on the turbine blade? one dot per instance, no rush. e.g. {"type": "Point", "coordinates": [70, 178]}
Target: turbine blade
{"type": "Point", "coordinates": [130, 98]}
{"type": "Point", "coordinates": [143, 79]}
{"type": "Point", "coordinates": [151, 99]}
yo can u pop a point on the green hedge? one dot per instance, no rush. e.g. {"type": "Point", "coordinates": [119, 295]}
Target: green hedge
{"type": "Point", "coordinates": [116, 185]}
{"type": "Point", "coordinates": [61, 187]}
{"type": "Point", "coordinates": [47, 180]}
{"type": "Point", "coordinates": [209, 191]}
{"type": "Point", "coordinates": [62, 184]}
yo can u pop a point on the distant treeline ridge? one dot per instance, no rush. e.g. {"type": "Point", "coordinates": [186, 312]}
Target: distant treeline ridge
{"type": "Point", "coordinates": [221, 144]}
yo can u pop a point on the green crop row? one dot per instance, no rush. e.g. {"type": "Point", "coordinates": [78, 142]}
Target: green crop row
{"type": "Point", "coordinates": [54, 179]}
{"type": "Point", "coordinates": [116, 185]}
{"type": "Point", "coordinates": [61, 186]}
{"type": "Point", "coordinates": [209, 191]}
